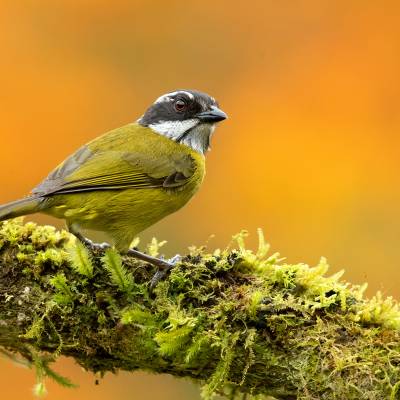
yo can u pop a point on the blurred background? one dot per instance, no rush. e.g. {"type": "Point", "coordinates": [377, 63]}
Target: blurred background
{"type": "Point", "coordinates": [310, 153]}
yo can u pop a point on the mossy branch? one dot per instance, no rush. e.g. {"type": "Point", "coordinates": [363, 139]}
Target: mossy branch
{"type": "Point", "coordinates": [239, 323]}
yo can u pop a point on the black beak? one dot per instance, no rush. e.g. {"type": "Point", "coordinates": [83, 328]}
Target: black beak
{"type": "Point", "coordinates": [213, 115]}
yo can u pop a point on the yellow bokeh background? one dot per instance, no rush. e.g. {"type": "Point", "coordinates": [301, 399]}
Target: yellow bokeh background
{"type": "Point", "coordinates": [310, 153]}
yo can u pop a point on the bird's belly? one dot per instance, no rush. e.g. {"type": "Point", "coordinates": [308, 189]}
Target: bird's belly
{"type": "Point", "coordinates": [129, 211]}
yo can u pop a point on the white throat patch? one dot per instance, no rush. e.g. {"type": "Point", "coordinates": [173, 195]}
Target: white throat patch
{"type": "Point", "coordinates": [198, 137]}
{"type": "Point", "coordinates": [174, 129]}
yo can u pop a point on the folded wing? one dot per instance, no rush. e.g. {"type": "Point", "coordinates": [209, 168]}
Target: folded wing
{"type": "Point", "coordinates": [87, 171]}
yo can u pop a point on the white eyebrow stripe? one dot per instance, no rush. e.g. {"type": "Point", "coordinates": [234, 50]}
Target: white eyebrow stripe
{"type": "Point", "coordinates": [167, 96]}
{"type": "Point", "coordinates": [190, 95]}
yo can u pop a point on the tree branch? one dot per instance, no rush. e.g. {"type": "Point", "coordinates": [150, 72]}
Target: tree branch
{"type": "Point", "coordinates": [237, 322]}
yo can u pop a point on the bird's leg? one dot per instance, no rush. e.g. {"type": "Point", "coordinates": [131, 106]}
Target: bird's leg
{"type": "Point", "coordinates": [162, 273]}
{"type": "Point", "coordinates": [163, 266]}
{"type": "Point", "coordinates": [85, 241]}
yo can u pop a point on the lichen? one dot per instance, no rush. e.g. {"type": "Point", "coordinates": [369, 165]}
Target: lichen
{"type": "Point", "coordinates": [238, 322]}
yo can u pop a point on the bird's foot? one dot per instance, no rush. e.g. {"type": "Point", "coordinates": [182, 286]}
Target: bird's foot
{"type": "Point", "coordinates": [159, 276]}
{"type": "Point", "coordinates": [163, 266]}
{"type": "Point", "coordinates": [89, 244]}
{"type": "Point", "coordinates": [175, 259]}
{"type": "Point", "coordinates": [99, 246]}
{"type": "Point", "coordinates": [162, 273]}
{"type": "Point", "coordinates": [93, 246]}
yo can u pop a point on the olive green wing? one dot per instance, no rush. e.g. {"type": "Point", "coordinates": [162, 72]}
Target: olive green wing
{"type": "Point", "coordinates": [87, 171]}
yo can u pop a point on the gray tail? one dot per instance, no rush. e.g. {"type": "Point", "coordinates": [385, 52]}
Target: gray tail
{"type": "Point", "coordinates": [29, 205]}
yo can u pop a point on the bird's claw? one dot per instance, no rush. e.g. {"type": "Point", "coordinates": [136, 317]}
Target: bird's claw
{"type": "Point", "coordinates": [93, 246]}
{"type": "Point", "coordinates": [163, 266]}
{"type": "Point", "coordinates": [175, 259]}
{"type": "Point", "coordinates": [159, 276]}
{"type": "Point", "coordinates": [164, 270]}
{"type": "Point", "coordinates": [89, 244]}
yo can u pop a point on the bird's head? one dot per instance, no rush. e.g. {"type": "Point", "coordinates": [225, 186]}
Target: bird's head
{"type": "Point", "coordinates": [185, 116]}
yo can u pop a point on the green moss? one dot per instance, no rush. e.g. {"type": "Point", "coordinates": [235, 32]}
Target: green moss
{"type": "Point", "coordinates": [198, 345]}
{"type": "Point", "coordinates": [220, 376]}
{"type": "Point", "coordinates": [36, 329]}
{"type": "Point", "coordinates": [171, 342]}
{"type": "Point", "coordinates": [80, 259]}
{"type": "Point", "coordinates": [112, 262]}
{"type": "Point", "coordinates": [153, 248]}
{"type": "Point", "coordinates": [135, 315]}
{"type": "Point", "coordinates": [63, 293]}
{"type": "Point", "coordinates": [235, 321]}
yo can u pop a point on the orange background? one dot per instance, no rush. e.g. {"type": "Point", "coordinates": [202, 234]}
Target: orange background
{"type": "Point", "coordinates": [310, 152]}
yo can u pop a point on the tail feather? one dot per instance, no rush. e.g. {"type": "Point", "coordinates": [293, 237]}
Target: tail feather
{"type": "Point", "coordinates": [29, 205]}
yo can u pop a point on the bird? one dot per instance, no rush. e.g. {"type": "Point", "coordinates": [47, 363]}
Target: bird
{"type": "Point", "coordinates": [131, 177]}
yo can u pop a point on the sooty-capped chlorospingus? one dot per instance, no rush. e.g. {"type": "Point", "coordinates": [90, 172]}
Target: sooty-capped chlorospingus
{"type": "Point", "coordinates": [131, 177]}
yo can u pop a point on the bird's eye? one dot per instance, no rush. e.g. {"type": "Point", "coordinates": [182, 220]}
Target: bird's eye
{"type": "Point", "coordinates": [180, 105]}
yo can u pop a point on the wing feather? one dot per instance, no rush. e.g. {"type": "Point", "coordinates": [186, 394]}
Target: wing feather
{"type": "Point", "coordinates": [88, 171]}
